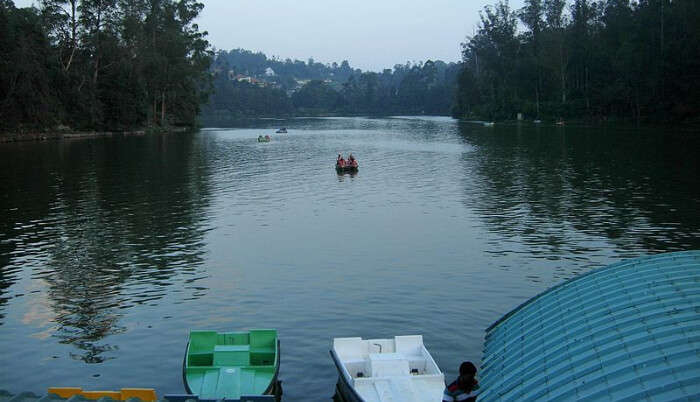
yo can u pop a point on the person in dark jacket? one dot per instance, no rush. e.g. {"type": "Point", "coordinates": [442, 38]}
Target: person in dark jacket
{"type": "Point", "coordinates": [465, 387]}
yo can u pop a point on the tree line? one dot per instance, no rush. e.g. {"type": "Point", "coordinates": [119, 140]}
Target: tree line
{"type": "Point", "coordinates": [101, 64]}
{"type": "Point", "coordinates": [605, 59]}
{"type": "Point", "coordinates": [123, 64]}
{"type": "Point", "coordinates": [419, 88]}
{"type": "Point", "coordinates": [411, 88]}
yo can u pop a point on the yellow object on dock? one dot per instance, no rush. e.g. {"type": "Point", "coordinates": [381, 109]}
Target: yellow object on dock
{"type": "Point", "coordinates": [145, 394]}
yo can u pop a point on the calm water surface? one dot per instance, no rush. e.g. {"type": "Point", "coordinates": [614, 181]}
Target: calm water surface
{"type": "Point", "coordinates": [112, 249]}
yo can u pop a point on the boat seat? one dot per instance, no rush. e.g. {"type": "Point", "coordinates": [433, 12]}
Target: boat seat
{"type": "Point", "coordinates": [388, 364]}
{"type": "Point", "coordinates": [409, 344]}
{"type": "Point", "coordinates": [354, 366]}
{"type": "Point", "coordinates": [263, 338]}
{"type": "Point", "coordinates": [417, 363]}
{"type": "Point", "coordinates": [349, 349]}
{"type": "Point", "coordinates": [231, 355]}
{"type": "Point", "coordinates": [234, 338]}
{"type": "Point", "coordinates": [202, 341]}
{"type": "Point", "coordinates": [232, 348]}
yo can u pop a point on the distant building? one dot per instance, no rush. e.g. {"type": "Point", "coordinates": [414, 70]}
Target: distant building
{"type": "Point", "coordinates": [243, 78]}
{"type": "Point", "coordinates": [270, 72]}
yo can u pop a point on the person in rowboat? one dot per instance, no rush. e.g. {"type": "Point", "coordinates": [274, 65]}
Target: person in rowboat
{"type": "Point", "coordinates": [465, 387]}
{"type": "Point", "coordinates": [340, 161]}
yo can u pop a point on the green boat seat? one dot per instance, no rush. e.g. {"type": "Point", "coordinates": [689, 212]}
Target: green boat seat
{"type": "Point", "coordinates": [233, 338]}
{"type": "Point", "coordinates": [263, 340]}
{"type": "Point", "coordinates": [201, 349]}
{"type": "Point", "coordinates": [231, 355]}
{"type": "Point", "coordinates": [231, 348]}
{"type": "Point", "coordinates": [263, 344]}
{"type": "Point", "coordinates": [202, 341]}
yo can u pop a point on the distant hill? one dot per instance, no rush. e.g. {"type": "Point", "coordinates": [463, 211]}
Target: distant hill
{"type": "Point", "coordinates": [248, 84]}
{"type": "Point", "coordinates": [287, 74]}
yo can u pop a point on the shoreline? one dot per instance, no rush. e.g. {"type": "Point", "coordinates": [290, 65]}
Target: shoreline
{"type": "Point", "coordinates": [68, 135]}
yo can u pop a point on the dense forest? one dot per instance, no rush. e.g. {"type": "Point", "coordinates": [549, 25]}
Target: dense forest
{"type": "Point", "coordinates": [250, 84]}
{"type": "Point", "coordinates": [602, 60]}
{"type": "Point", "coordinates": [125, 64]}
{"type": "Point", "coordinates": [101, 64]}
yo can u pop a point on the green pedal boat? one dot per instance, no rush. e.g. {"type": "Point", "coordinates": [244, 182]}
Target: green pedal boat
{"type": "Point", "coordinates": [232, 365]}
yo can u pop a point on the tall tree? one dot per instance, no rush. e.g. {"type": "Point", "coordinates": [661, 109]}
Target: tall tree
{"type": "Point", "coordinates": [532, 16]}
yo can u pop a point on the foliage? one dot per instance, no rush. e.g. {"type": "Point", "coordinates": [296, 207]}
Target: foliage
{"type": "Point", "coordinates": [602, 59]}
{"type": "Point", "coordinates": [233, 100]}
{"type": "Point", "coordinates": [101, 64]}
{"type": "Point", "coordinates": [317, 89]}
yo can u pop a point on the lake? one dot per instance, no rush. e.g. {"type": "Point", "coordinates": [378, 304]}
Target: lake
{"type": "Point", "coordinates": [112, 249]}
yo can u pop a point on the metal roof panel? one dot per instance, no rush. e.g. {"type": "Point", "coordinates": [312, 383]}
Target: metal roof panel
{"type": "Point", "coordinates": [628, 330]}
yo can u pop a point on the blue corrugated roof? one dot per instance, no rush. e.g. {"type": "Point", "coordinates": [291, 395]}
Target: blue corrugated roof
{"type": "Point", "coordinates": [628, 331]}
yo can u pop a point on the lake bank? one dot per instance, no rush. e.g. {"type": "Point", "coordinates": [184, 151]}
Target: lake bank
{"type": "Point", "coordinates": [688, 128]}
{"type": "Point", "coordinates": [68, 135]}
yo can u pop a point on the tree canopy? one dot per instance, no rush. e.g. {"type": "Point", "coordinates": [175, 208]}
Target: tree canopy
{"type": "Point", "coordinates": [101, 64]}
{"type": "Point", "coordinates": [596, 59]}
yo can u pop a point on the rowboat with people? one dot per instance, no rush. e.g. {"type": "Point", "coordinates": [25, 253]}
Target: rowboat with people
{"type": "Point", "coordinates": [346, 166]}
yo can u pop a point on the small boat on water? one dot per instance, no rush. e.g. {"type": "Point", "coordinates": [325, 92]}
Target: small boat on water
{"type": "Point", "coordinates": [375, 370]}
{"type": "Point", "coordinates": [347, 167]}
{"type": "Point", "coordinates": [264, 139]}
{"type": "Point", "coordinates": [233, 365]}
{"type": "Point", "coordinates": [488, 124]}
{"type": "Point", "coordinates": [282, 130]}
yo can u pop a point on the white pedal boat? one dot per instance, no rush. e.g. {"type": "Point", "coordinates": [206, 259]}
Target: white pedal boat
{"type": "Point", "coordinates": [399, 370]}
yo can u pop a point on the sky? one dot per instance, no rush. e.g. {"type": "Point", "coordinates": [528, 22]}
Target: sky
{"type": "Point", "coordinates": [370, 34]}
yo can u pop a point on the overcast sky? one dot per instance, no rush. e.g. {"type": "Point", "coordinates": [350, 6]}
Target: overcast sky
{"type": "Point", "coordinates": [370, 34]}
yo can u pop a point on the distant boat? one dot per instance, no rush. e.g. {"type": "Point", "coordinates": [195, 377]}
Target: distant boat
{"type": "Point", "coordinates": [264, 139]}
{"type": "Point", "coordinates": [398, 369]}
{"type": "Point", "coordinates": [231, 365]}
{"type": "Point", "coordinates": [537, 121]}
{"type": "Point", "coordinates": [282, 130]}
{"type": "Point", "coordinates": [349, 166]}
{"type": "Point", "coordinates": [560, 123]}
{"type": "Point", "coordinates": [488, 124]}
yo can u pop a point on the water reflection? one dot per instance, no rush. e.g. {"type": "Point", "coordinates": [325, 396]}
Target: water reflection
{"type": "Point", "coordinates": [112, 227]}
{"type": "Point", "coordinates": [556, 190]}
{"type": "Point", "coordinates": [349, 174]}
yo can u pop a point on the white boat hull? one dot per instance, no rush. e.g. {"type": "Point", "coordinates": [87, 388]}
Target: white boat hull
{"type": "Point", "coordinates": [382, 370]}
